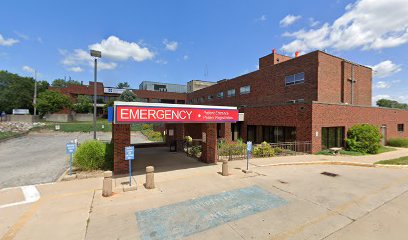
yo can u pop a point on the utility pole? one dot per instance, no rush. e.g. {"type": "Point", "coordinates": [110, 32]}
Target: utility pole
{"type": "Point", "coordinates": [96, 55]}
{"type": "Point", "coordinates": [35, 93]}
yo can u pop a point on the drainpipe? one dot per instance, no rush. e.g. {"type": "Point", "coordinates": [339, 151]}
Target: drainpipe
{"type": "Point", "coordinates": [352, 83]}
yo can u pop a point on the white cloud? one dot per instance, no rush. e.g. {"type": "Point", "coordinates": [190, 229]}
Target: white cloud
{"type": "Point", "coordinates": [81, 57]}
{"type": "Point", "coordinates": [161, 61]}
{"type": "Point", "coordinates": [28, 69]}
{"type": "Point", "coordinates": [117, 49]}
{"type": "Point", "coordinates": [22, 35]}
{"type": "Point", "coordinates": [76, 69]}
{"type": "Point", "coordinates": [261, 19]}
{"type": "Point", "coordinates": [7, 41]}
{"type": "Point", "coordinates": [186, 57]}
{"type": "Point", "coordinates": [402, 99]}
{"type": "Point", "coordinates": [112, 48]}
{"type": "Point", "coordinates": [313, 22]}
{"type": "Point", "coordinates": [289, 20]}
{"type": "Point", "coordinates": [385, 68]}
{"type": "Point", "coordinates": [366, 24]}
{"type": "Point", "coordinates": [170, 45]}
{"type": "Point", "coordinates": [382, 85]}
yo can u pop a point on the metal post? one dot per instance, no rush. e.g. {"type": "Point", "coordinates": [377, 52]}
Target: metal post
{"type": "Point", "coordinates": [70, 164]}
{"type": "Point", "coordinates": [130, 172]}
{"type": "Point", "coordinates": [248, 155]}
{"type": "Point", "coordinates": [94, 114]}
{"type": "Point", "coordinates": [35, 93]}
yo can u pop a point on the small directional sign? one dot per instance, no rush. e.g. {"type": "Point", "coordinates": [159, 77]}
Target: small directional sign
{"type": "Point", "coordinates": [249, 146]}
{"type": "Point", "coordinates": [130, 153]}
{"type": "Point", "coordinates": [70, 148]}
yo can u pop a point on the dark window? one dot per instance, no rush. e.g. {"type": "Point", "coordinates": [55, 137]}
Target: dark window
{"type": "Point", "coordinates": [295, 79]}
{"type": "Point", "coordinates": [220, 95]}
{"type": "Point", "coordinates": [245, 89]}
{"type": "Point", "coordinates": [400, 127]}
{"type": "Point", "coordinates": [210, 97]}
{"type": "Point", "coordinates": [231, 93]}
{"type": "Point", "coordinates": [161, 88]}
{"type": "Point", "coordinates": [251, 133]}
{"type": "Point", "coordinates": [332, 137]}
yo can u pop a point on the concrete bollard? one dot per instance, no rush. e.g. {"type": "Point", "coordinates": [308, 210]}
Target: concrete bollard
{"type": "Point", "coordinates": [149, 177]}
{"type": "Point", "coordinates": [225, 168]}
{"type": "Point", "coordinates": [107, 184]}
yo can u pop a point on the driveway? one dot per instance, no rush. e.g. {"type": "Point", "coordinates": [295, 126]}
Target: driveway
{"type": "Point", "coordinates": [39, 157]}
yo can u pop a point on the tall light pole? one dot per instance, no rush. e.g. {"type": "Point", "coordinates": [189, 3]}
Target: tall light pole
{"type": "Point", "coordinates": [35, 93]}
{"type": "Point", "coordinates": [96, 55]}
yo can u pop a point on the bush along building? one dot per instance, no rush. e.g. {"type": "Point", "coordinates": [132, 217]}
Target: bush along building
{"type": "Point", "coordinates": [313, 98]}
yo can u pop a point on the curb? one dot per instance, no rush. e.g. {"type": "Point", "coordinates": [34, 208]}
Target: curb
{"type": "Point", "coordinates": [62, 176]}
{"type": "Point", "coordinates": [15, 136]}
{"type": "Point", "coordinates": [356, 164]}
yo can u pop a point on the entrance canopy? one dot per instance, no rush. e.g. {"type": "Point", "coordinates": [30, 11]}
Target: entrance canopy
{"type": "Point", "coordinates": [141, 112]}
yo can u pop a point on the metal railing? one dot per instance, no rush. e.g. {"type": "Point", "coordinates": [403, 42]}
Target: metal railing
{"type": "Point", "coordinates": [292, 148]}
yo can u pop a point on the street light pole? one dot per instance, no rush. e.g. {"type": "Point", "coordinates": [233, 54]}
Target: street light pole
{"type": "Point", "coordinates": [35, 93]}
{"type": "Point", "coordinates": [96, 54]}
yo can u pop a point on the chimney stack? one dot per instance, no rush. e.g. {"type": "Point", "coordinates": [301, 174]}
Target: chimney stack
{"type": "Point", "coordinates": [297, 54]}
{"type": "Point", "coordinates": [274, 51]}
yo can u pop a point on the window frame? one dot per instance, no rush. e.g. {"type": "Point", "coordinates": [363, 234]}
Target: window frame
{"type": "Point", "coordinates": [294, 79]}
{"type": "Point", "coordinates": [400, 127]}
{"type": "Point", "coordinates": [245, 92]}
{"type": "Point", "coordinates": [231, 95]}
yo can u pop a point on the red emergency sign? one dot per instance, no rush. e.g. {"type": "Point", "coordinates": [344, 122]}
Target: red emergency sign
{"type": "Point", "coordinates": [132, 114]}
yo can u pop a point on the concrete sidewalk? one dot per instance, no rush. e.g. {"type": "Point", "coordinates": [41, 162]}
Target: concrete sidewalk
{"type": "Point", "coordinates": [307, 205]}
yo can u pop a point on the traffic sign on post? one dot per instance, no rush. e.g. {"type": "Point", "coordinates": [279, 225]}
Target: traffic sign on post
{"type": "Point", "coordinates": [130, 156]}
{"type": "Point", "coordinates": [70, 149]}
{"type": "Point", "coordinates": [249, 150]}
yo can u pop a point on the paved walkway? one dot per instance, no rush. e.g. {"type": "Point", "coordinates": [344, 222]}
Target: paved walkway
{"type": "Point", "coordinates": [196, 202]}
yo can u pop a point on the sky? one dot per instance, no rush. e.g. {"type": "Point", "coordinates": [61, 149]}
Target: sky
{"type": "Point", "coordinates": [178, 41]}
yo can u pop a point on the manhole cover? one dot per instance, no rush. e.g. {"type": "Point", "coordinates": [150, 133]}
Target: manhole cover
{"type": "Point", "coordinates": [330, 174]}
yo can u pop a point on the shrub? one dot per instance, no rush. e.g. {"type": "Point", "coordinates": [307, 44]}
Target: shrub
{"type": "Point", "coordinates": [152, 135]}
{"type": "Point", "coordinates": [83, 105]}
{"type": "Point", "coordinates": [363, 138]}
{"type": "Point", "coordinates": [231, 148]}
{"type": "Point", "coordinates": [147, 126]}
{"type": "Point", "coordinates": [264, 150]}
{"type": "Point", "coordinates": [398, 142]}
{"type": "Point", "coordinates": [90, 155]}
{"type": "Point", "coordinates": [279, 150]}
{"type": "Point", "coordinates": [196, 150]}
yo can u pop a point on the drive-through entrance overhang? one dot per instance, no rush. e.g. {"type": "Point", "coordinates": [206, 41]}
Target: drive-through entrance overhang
{"type": "Point", "coordinates": [197, 121]}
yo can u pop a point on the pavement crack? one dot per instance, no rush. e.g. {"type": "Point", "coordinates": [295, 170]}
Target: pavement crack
{"type": "Point", "coordinates": [89, 214]}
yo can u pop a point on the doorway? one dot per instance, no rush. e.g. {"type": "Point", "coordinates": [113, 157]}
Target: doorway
{"type": "Point", "coordinates": [332, 137]}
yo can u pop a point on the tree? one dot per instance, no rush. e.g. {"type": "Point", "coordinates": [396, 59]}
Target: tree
{"type": "Point", "coordinates": [51, 102]}
{"type": "Point", "coordinates": [61, 83]}
{"type": "Point", "coordinates": [83, 105]}
{"type": "Point", "coordinates": [127, 96]}
{"type": "Point", "coordinates": [123, 85]}
{"type": "Point", "coordinates": [17, 91]}
{"type": "Point", "coordinates": [391, 104]}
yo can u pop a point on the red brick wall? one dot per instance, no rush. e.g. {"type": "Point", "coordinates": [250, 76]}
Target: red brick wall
{"type": "Point", "coordinates": [267, 85]}
{"type": "Point", "coordinates": [334, 85]}
{"type": "Point", "coordinates": [294, 115]}
{"type": "Point", "coordinates": [332, 115]}
{"type": "Point", "coordinates": [272, 59]}
{"type": "Point", "coordinates": [120, 139]}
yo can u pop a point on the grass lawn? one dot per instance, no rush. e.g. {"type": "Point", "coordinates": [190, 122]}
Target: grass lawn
{"type": "Point", "coordinates": [352, 153]}
{"type": "Point", "coordinates": [101, 125]}
{"type": "Point", "coordinates": [4, 135]}
{"type": "Point", "coordinates": [397, 161]}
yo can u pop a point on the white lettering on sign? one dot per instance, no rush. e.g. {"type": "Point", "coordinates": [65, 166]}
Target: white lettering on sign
{"type": "Point", "coordinates": [152, 114]}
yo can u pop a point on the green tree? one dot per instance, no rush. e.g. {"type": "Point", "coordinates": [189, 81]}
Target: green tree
{"type": "Point", "coordinates": [391, 104]}
{"type": "Point", "coordinates": [51, 102]}
{"type": "Point", "coordinates": [61, 83]}
{"type": "Point", "coordinates": [17, 91]}
{"type": "Point", "coordinates": [123, 85]}
{"type": "Point", "coordinates": [83, 105]}
{"type": "Point", "coordinates": [127, 96]}
{"type": "Point", "coordinates": [364, 138]}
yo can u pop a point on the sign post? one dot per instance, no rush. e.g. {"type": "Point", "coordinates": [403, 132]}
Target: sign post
{"type": "Point", "coordinates": [249, 150]}
{"type": "Point", "coordinates": [130, 156]}
{"type": "Point", "coordinates": [70, 149]}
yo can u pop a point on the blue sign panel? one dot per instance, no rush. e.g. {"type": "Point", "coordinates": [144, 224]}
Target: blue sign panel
{"type": "Point", "coordinates": [110, 114]}
{"type": "Point", "coordinates": [186, 218]}
{"type": "Point", "coordinates": [70, 148]}
{"type": "Point", "coordinates": [249, 146]}
{"type": "Point", "coordinates": [129, 153]}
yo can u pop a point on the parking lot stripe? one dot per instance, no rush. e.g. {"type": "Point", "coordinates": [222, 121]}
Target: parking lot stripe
{"type": "Point", "coordinates": [31, 195]}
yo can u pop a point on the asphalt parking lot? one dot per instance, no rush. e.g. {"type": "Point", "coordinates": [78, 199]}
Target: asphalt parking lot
{"type": "Point", "coordinates": [40, 157]}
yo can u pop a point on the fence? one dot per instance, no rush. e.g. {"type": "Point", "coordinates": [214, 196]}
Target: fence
{"type": "Point", "coordinates": [293, 148]}
{"type": "Point", "coordinates": [238, 151]}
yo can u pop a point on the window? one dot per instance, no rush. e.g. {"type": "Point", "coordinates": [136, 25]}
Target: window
{"type": "Point", "coordinates": [295, 79]}
{"type": "Point", "coordinates": [201, 99]}
{"type": "Point", "coordinates": [210, 97]}
{"type": "Point", "coordinates": [245, 89]}
{"type": "Point", "coordinates": [400, 127]}
{"type": "Point", "coordinates": [220, 95]}
{"type": "Point", "coordinates": [231, 92]}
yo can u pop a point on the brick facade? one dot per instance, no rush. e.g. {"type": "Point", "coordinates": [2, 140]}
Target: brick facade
{"type": "Point", "coordinates": [120, 140]}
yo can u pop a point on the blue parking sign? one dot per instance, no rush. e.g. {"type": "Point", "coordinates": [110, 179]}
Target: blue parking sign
{"type": "Point", "coordinates": [70, 148]}
{"type": "Point", "coordinates": [249, 146]}
{"type": "Point", "coordinates": [130, 153]}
